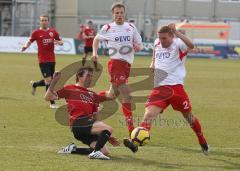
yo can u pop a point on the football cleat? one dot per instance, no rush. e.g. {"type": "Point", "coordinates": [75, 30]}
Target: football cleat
{"type": "Point", "coordinates": [33, 88]}
{"type": "Point", "coordinates": [98, 155]}
{"type": "Point", "coordinates": [53, 106]}
{"type": "Point", "coordinates": [129, 144]}
{"type": "Point", "coordinates": [68, 150]}
{"type": "Point", "coordinates": [205, 148]}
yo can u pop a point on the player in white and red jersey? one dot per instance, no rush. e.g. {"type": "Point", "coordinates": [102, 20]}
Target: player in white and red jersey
{"type": "Point", "coordinates": [46, 38]}
{"type": "Point", "coordinates": [169, 57]}
{"type": "Point", "coordinates": [122, 40]}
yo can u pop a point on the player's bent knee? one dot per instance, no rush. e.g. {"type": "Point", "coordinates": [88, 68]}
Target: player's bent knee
{"type": "Point", "coordinates": [108, 128]}
{"type": "Point", "coordinates": [47, 80]}
{"type": "Point", "coordinates": [99, 127]}
{"type": "Point", "coordinates": [149, 115]}
{"type": "Point", "coordinates": [188, 116]}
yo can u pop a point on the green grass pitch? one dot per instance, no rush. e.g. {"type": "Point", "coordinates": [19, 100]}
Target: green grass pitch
{"type": "Point", "coordinates": [30, 135]}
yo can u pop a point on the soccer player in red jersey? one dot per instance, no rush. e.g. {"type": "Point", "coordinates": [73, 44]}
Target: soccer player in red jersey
{"type": "Point", "coordinates": [88, 36]}
{"type": "Point", "coordinates": [46, 38]}
{"type": "Point", "coordinates": [83, 115]}
{"type": "Point", "coordinates": [123, 40]}
{"type": "Point", "coordinates": [169, 57]}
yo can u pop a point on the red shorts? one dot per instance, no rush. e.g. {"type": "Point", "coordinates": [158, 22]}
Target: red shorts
{"type": "Point", "coordinates": [119, 71]}
{"type": "Point", "coordinates": [175, 95]}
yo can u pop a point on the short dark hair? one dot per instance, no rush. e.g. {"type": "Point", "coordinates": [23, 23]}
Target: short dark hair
{"type": "Point", "coordinates": [165, 29]}
{"type": "Point", "coordinates": [118, 5]}
{"type": "Point", "coordinates": [44, 15]}
{"type": "Point", "coordinates": [82, 71]}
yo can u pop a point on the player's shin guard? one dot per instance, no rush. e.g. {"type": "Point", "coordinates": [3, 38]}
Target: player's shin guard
{"type": "Point", "coordinates": [82, 151]}
{"type": "Point", "coordinates": [95, 65]}
{"type": "Point", "coordinates": [51, 101]}
{"type": "Point", "coordinates": [126, 108]}
{"type": "Point", "coordinates": [102, 140]}
{"type": "Point", "coordinates": [196, 126]}
{"type": "Point", "coordinates": [39, 83]}
{"type": "Point", "coordinates": [83, 61]}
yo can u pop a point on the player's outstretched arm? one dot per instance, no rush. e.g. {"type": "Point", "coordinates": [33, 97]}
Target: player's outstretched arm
{"type": "Point", "coordinates": [152, 66]}
{"type": "Point", "coordinates": [51, 93]}
{"type": "Point", "coordinates": [184, 38]}
{"type": "Point", "coordinates": [95, 48]}
{"type": "Point", "coordinates": [137, 41]}
{"type": "Point", "coordinates": [26, 46]}
{"type": "Point", "coordinates": [58, 42]}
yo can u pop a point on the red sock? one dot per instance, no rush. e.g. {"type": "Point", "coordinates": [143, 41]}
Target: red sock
{"type": "Point", "coordinates": [196, 126]}
{"type": "Point", "coordinates": [145, 125]}
{"type": "Point", "coordinates": [126, 108]}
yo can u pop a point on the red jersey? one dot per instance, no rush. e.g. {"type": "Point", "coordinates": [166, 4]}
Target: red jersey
{"type": "Point", "coordinates": [80, 101]}
{"type": "Point", "coordinates": [45, 42]}
{"type": "Point", "coordinates": [89, 32]}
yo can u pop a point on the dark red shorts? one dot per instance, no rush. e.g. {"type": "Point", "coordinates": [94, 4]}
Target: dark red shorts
{"type": "Point", "coordinates": [175, 95]}
{"type": "Point", "coordinates": [119, 71]}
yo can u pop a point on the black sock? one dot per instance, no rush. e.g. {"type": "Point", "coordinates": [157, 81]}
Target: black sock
{"type": "Point", "coordinates": [82, 151]}
{"type": "Point", "coordinates": [102, 139]}
{"type": "Point", "coordinates": [39, 83]}
{"type": "Point", "coordinates": [95, 64]}
{"type": "Point", "coordinates": [83, 61]}
{"type": "Point", "coordinates": [51, 101]}
{"type": "Point", "coordinates": [47, 85]}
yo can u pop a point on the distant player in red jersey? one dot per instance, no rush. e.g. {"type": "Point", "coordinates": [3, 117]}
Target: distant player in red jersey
{"type": "Point", "coordinates": [46, 38]}
{"type": "Point", "coordinates": [122, 40]}
{"type": "Point", "coordinates": [83, 115]}
{"type": "Point", "coordinates": [88, 36]}
{"type": "Point", "coordinates": [169, 57]}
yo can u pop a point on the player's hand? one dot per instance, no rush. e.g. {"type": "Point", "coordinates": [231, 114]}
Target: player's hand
{"type": "Point", "coordinates": [95, 58]}
{"type": "Point", "coordinates": [152, 69]}
{"type": "Point", "coordinates": [172, 27]}
{"type": "Point", "coordinates": [114, 141]}
{"type": "Point", "coordinates": [24, 48]}
{"type": "Point", "coordinates": [137, 47]}
{"type": "Point", "coordinates": [56, 75]}
{"type": "Point", "coordinates": [58, 42]}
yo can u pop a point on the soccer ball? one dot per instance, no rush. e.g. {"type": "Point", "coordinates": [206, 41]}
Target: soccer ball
{"type": "Point", "coordinates": [140, 136]}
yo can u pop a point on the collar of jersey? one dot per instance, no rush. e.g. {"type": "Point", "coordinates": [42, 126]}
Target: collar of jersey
{"type": "Point", "coordinates": [43, 29]}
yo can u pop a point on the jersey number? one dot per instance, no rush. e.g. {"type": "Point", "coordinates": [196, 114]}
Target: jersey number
{"type": "Point", "coordinates": [186, 105]}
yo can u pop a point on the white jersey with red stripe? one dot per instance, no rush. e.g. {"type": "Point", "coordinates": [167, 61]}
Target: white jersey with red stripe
{"type": "Point", "coordinates": [170, 63]}
{"type": "Point", "coordinates": [120, 40]}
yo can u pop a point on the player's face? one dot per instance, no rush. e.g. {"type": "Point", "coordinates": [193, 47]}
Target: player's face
{"type": "Point", "coordinates": [118, 15]}
{"type": "Point", "coordinates": [166, 39]}
{"type": "Point", "coordinates": [90, 25]}
{"type": "Point", "coordinates": [44, 22]}
{"type": "Point", "coordinates": [86, 79]}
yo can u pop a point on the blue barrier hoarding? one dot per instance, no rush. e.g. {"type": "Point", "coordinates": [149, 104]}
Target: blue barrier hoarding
{"type": "Point", "coordinates": [200, 50]}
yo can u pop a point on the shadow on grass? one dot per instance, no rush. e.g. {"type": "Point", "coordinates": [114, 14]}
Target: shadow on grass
{"type": "Point", "coordinates": [144, 161]}
{"type": "Point", "coordinates": [212, 156]}
{"type": "Point", "coordinates": [9, 98]}
{"type": "Point", "coordinates": [235, 165]}
{"type": "Point", "coordinates": [212, 152]}
{"type": "Point", "coordinates": [148, 162]}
